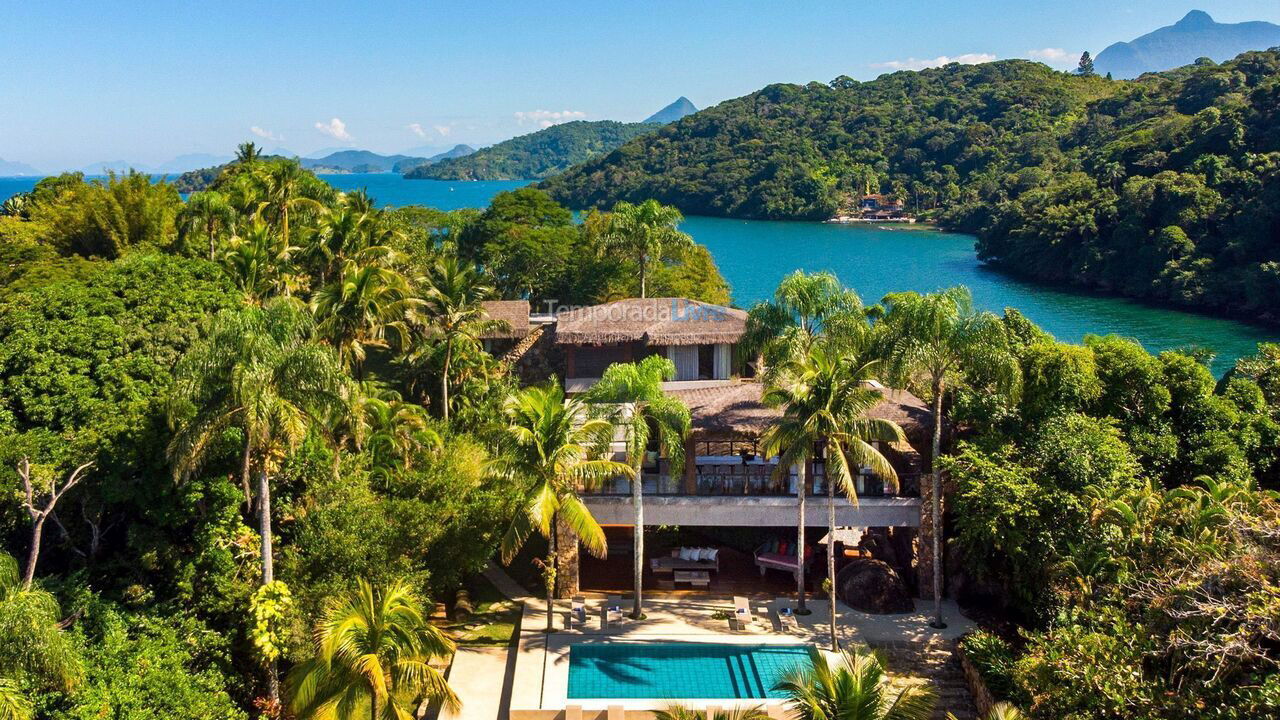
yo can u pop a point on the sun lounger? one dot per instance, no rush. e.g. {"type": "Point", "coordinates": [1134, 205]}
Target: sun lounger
{"type": "Point", "coordinates": [786, 616]}
{"type": "Point", "coordinates": [613, 611]}
{"type": "Point", "coordinates": [573, 712]}
{"type": "Point", "coordinates": [617, 713]}
{"type": "Point", "coordinates": [742, 611]}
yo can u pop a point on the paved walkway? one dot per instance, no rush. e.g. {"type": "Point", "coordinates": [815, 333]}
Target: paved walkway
{"type": "Point", "coordinates": [483, 676]}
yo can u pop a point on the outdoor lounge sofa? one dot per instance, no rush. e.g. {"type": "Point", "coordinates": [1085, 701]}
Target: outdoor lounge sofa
{"type": "Point", "coordinates": [682, 561]}
{"type": "Point", "coordinates": [775, 555]}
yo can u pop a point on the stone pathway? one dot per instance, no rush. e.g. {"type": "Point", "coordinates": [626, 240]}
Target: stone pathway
{"type": "Point", "coordinates": [934, 662]}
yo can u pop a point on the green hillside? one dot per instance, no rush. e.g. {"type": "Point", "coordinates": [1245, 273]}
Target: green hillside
{"type": "Point", "coordinates": [538, 154]}
{"type": "Point", "coordinates": [1163, 188]}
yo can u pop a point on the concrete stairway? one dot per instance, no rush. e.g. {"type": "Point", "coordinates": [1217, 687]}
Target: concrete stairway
{"type": "Point", "coordinates": [935, 663]}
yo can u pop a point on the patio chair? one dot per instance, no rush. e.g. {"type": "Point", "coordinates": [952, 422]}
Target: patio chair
{"type": "Point", "coordinates": [742, 611]}
{"type": "Point", "coordinates": [786, 616]}
{"type": "Point", "coordinates": [613, 611]}
{"type": "Point", "coordinates": [578, 611]}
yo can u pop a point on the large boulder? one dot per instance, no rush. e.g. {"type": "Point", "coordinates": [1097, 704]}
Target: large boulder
{"type": "Point", "coordinates": [873, 586]}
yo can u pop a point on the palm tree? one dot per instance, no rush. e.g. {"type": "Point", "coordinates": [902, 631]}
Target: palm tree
{"type": "Point", "coordinates": [999, 711]}
{"type": "Point", "coordinates": [247, 152]}
{"type": "Point", "coordinates": [374, 649]}
{"type": "Point", "coordinates": [856, 689]}
{"type": "Point", "coordinates": [257, 259]}
{"type": "Point", "coordinates": [209, 212]}
{"type": "Point", "coordinates": [804, 308]}
{"type": "Point", "coordinates": [358, 309]}
{"type": "Point", "coordinates": [684, 712]}
{"type": "Point", "coordinates": [286, 187]}
{"type": "Point", "coordinates": [353, 231]}
{"type": "Point", "coordinates": [942, 337]}
{"type": "Point", "coordinates": [451, 308]}
{"type": "Point", "coordinates": [638, 388]}
{"type": "Point", "coordinates": [395, 432]}
{"type": "Point", "coordinates": [32, 645]}
{"type": "Point", "coordinates": [825, 400]}
{"type": "Point", "coordinates": [549, 445]}
{"type": "Point", "coordinates": [644, 231]}
{"type": "Point", "coordinates": [260, 369]}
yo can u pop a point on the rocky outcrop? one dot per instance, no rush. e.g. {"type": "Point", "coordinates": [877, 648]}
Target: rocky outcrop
{"type": "Point", "coordinates": [873, 586]}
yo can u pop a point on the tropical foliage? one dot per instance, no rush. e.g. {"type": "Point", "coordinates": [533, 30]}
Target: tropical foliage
{"type": "Point", "coordinates": [536, 155]}
{"type": "Point", "coordinates": [1162, 187]}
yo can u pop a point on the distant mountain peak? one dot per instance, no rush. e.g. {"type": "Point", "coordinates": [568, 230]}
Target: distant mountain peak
{"type": "Point", "coordinates": [673, 112]}
{"type": "Point", "coordinates": [1195, 19]}
{"type": "Point", "coordinates": [1195, 36]}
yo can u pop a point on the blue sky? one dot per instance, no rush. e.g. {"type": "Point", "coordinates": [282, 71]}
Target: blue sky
{"type": "Point", "coordinates": [145, 81]}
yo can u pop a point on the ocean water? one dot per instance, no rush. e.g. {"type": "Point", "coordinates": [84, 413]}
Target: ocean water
{"type": "Point", "coordinates": [754, 255]}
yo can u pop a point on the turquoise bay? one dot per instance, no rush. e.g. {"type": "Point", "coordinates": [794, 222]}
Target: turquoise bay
{"type": "Point", "coordinates": [753, 255]}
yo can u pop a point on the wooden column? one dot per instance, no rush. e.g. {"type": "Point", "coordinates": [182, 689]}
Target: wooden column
{"type": "Point", "coordinates": [690, 466]}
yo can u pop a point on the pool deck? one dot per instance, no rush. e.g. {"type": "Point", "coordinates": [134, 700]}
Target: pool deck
{"type": "Point", "coordinates": [539, 688]}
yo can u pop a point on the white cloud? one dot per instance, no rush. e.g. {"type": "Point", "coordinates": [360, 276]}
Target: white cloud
{"type": "Point", "coordinates": [265, 134]}
{"type": "Point", "coordinates": [547, 118]}
{"type": "Point", "coordinates": [1054, 56]}
{"type": "Point", "coordinates": [444, 130]}
{"type": "Point", "coordinates": [920, 64]}
{"type": "Point", "coordinates": [334, 128]}
{"type": "Point", "coordinates": [416, 129]}
{"type": "Point", "coordinates": [423, 132]}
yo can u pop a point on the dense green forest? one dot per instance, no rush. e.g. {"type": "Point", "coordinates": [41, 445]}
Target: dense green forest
{"type": "Point", "coordinates": [268, 333]}
{"type": "Point", "coordinates": [231, 425]}
{"type": "Point", "coordinates": [1161, 188]}
{"type": "Point", "coordinates": [538, 154]}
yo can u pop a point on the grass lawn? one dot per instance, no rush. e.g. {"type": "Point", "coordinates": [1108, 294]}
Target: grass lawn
{"type": "Point", "coordinates": [493, 620]}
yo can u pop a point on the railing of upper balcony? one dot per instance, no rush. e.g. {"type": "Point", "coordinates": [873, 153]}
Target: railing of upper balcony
{"type": "Point", "coordinates": [711, 479]}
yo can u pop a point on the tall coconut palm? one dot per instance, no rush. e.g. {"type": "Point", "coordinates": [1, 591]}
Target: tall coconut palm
{"type": "Point", "coordinates": [372, 660]}
{"type": "Point", "coordinates": [857, 688]}
{"type": "Point", "coordinates": [804, 308]}
{"type": "Point", "coordinates": [257, 260]}
{"type": "Point", "coordinates": [550, 446]}
{"type": "Point", "coordinates": [643, 232]}
{"type": "Point", "coordinates": [941, 337]}
{"type": "Point", "coordinates": [636, 389]}
{"type": "Point", "coordinates": [350, 232]}
{"type": "Point", "coordinates": [825, 401]}
{"type": "Point", "coordinates": [360, 308]}
{"type": "Point", "coordinates": [208, 212]}
{"type": "Point", "coordinates": [259, 369]}
{"type": "Point", "coordinates": [287, 188]}
{"type": "Point", "coordinates": [33, 648]}
{"type": "Point", "coordinates": [450, 308]}
{"type": "Point", "coordinates": [247, 152]}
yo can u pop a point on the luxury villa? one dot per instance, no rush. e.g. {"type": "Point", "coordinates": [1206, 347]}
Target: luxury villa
{"type": "Point", "coordinates": [721, 629]}
{"type": "Point", "coordinates": [726, 488]}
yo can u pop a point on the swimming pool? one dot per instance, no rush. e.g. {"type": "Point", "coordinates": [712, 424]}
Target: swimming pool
{"type": "Point", "coordinates": [680, 670]}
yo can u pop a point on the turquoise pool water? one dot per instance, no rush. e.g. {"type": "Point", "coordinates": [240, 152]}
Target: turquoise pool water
{"type": "Point", "coordinates": [680, 670]}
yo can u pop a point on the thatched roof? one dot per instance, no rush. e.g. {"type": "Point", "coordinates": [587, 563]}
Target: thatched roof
{"type": "Point", "coordinates": [735, 409]}
{"type": "Point", "coordinates": [656, 321]}
{"type": "Point", "coordinates": [515, 313]}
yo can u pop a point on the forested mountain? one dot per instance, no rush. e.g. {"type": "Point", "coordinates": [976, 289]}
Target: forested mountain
{"type": "Point", "coordinates": [1193, 37]}
{"type": "Point", "coordinates": [673, 112]}
{"type": "Point", "coordinates": [356, 161]}
{"type": "Point", "coordinates": [458, 150]}
{"type": "Point", "coordinates": [538, 154]}
{"type": "Point", "coordinates": [1163, 187]}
